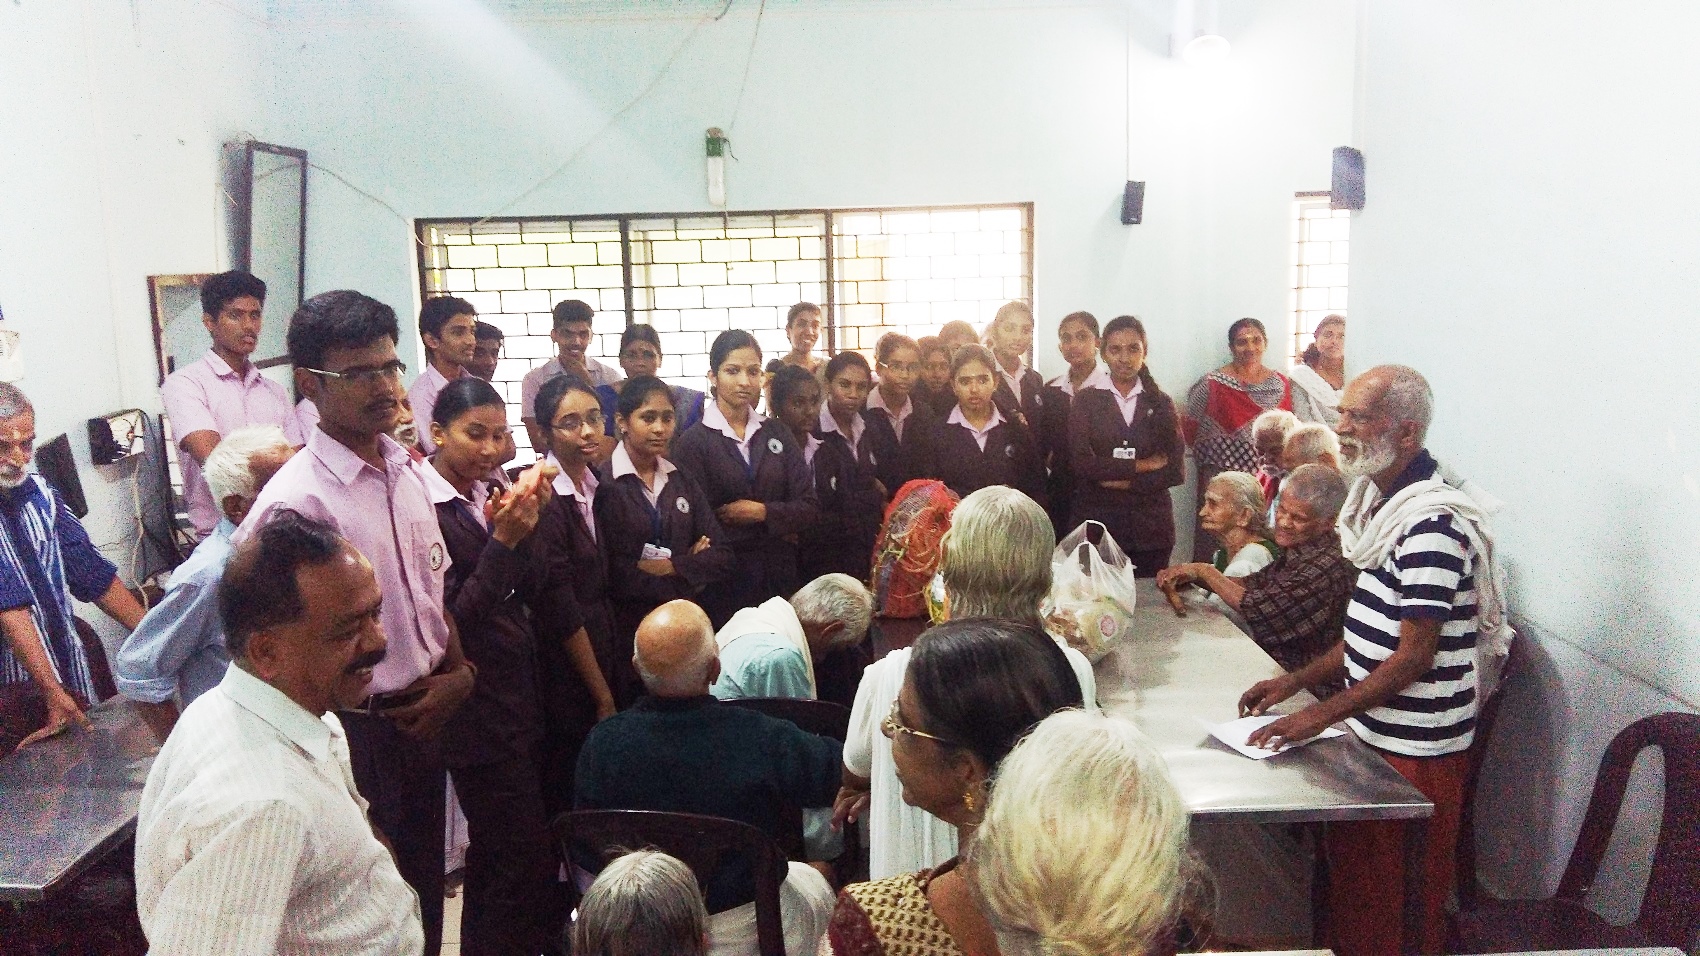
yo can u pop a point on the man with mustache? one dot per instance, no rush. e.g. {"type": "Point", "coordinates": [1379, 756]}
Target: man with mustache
{"type": "Point", "coordinates": [46, 559]}
{"type": "Point", "coordinates": [1408, 655]}
{"type": "Point", "coordinates": [222, 392]}
{"type": "Point", "coordinates": [251, 835]}
{"type": "Point", "coordinates": [354, 477]}
{"type": "Point", "coordinates": [571, 333]}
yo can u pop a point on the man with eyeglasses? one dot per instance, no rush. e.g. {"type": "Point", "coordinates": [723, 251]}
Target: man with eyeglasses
{"type": "Point", "coordinates": [223, 391]}
{"type": "Point", "coordinates": [354, 477]}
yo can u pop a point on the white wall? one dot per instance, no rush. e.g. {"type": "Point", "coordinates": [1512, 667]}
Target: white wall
{"type": "Point", "coordinates": [111, 117]}
{"type": "Point", "coordinates": [1530, 244]}
{"type": "Point", "coordinates": [441, 108]}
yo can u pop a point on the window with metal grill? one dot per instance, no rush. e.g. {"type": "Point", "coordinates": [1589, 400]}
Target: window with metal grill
{"type": "Point", "coordinates": [693, 276]}
{"type": "Point", "coordinates": [1321, 236]}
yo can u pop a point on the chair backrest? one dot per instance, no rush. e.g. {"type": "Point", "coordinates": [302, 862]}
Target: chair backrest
{"type": "Point", "coordinates": [100, 670]}
{"type": "Point", "coordinates": [701, 842]}
{"type": "Point", "coordinates": [1487, 716]}
{"type": "Point", "coordinates": [820, 717]}
{"type": "Point", "coordinates": [1670, 910]}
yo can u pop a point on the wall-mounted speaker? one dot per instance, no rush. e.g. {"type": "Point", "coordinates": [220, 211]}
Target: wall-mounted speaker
{"type": "Point", "coordinates": [1347, 189]}
{"type": "Point", "coordinates": [1133, 203]}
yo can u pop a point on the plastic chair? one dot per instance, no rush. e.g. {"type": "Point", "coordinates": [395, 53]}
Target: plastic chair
{"type": "Point", "coordinates": [820, 717]}
{"type": "Point", "coordinates": [701, 842]}
{"type": "Point", "coordinates": [1487, 717]}
{"type": "Point", "coordinates": [1670, 909]}
{"type": "Point", "coordinates": [824, 719]}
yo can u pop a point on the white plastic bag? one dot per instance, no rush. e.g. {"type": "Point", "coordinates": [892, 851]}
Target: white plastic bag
{"type": "Point", "coordinates": [1092, 591]}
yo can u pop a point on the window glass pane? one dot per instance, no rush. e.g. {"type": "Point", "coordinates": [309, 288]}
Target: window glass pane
{"type": "Point", "coordinates": [1320, 236]}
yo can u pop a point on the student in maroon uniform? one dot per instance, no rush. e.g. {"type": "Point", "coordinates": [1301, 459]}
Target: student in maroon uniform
{"type": "Point", "coordinates": [978, 445]}
{"type": "Point", "coordinates": [662, 538]}
{"type": "Point", "coordinates": [1077, 340]}
{"type": "Point", "coordinates": [933, 390]}
{"type": "Point", "coordinates": [901, 426]}
{"type": "Point", "coordinates": [1010, 337]}
{"type": "Point", "coordinates": [841, 539]}
{"type": "Point", "coordinates": [496, 591]}
{"type": "Point", "coordinates": [1125, 445]}
{"type": "Point", "coordinates": [569, 418]}
{"type": "Point", "coordinates": [753, 473]}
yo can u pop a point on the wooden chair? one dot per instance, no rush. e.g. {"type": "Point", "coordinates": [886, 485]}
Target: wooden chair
{"type": "Point", "coordinates": [1670, 909]}
{"type": "Point", "coordinates": [701, 842]}
{"type": "Point", "coordinates": [1487, 717]}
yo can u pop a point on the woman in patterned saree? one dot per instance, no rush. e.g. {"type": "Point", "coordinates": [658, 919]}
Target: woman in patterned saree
{"type": "Point", "coordinates": [973, 688]}
{"type": "Point", "coordinates": [1221, 407]}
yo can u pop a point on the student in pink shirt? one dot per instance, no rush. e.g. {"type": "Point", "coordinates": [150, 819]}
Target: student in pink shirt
{"type": "Point", "coordinates": [356, 478]}
{"type": "Point", "coordinates": [449, 328]}
{"type": "Point", "coordinates": [223, 391]}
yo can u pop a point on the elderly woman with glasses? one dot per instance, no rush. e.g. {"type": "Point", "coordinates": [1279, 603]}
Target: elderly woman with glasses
{"type": "Point", "coordinates": [996, 562]}
{"type": "Point", "coordinates": [971, 689]}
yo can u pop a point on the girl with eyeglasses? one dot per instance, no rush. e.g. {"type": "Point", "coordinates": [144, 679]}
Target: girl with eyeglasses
{"type": "Point", "coordinates": [902, 426]}
{"type": "Point", "coordinates": [751, 468]}
{"type": "Point", "coordinates": [569, 417]}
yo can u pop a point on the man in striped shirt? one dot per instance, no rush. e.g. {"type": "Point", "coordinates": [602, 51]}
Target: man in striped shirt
{"type": "Point", "coordinates": [1407, 657]}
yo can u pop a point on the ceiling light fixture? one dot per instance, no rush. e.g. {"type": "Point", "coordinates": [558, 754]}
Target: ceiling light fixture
{"type": "Point", "coordinates": [1195, 38]}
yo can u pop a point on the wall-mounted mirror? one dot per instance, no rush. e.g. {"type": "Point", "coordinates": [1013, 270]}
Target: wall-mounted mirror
{"type": "Point", "coordinates": [270, 234]}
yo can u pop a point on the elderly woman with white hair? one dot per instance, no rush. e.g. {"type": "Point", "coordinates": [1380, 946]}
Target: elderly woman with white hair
{"type": "Point", "coordinates": [996, 562]}
{"type": "Point", "coordinates": [1083, 848]}
{"type": "Point", "coordinates": [644, 903]}
{"type": "Point", "coordinates": [1295, 607]}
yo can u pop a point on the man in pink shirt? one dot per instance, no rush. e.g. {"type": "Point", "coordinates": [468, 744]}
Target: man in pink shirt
{"type": "Point", "coordinates": [449, 328]}
{"type": "Point", "coordinates": [353, 476]}
{"type": "Point", "coordinates": [223, 391]}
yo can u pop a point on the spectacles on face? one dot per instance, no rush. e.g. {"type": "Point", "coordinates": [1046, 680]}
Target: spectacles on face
{"type": "Point", "coordinates": [388, 373]}
{"type": "Point", "coordinates": [573, 423]}
{"type": "Point", "coordinates": [902, 368]}
{"type": "Point", "coordinates": [893, 725]}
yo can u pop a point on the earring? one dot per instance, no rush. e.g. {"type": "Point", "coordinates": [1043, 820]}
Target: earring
{"type": "Point", "coordinates": [968, 800]}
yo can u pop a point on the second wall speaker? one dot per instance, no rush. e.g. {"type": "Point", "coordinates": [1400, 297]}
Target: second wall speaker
{"type": "Point", "coordinates": [1347, 189]}
{"type": "Point", "coordinates": [1133, 203]}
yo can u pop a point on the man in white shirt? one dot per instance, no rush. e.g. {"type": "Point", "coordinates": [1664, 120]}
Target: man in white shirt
{"type": "Point", "coordinates": [252, 837]}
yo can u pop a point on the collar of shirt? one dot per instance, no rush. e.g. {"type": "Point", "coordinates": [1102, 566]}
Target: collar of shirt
{"type": "Point", "coordinates": [1013, 379]}
{"type": "Point", "coordinates": [714, 418]}
{"type": "Point", "coordinates": [1129, 402]}
{"type": "Point", "coordinates": [957, 418]}
{"type": "Point", "coordinates": [343, 463]}
{"type": "Point", "coordinates": [811, 444]}
{"type": "Point", "coordinates": [15, 498]}
{"type": "Point", "coordinates": [876, 400]}
{"type": "Point", "coordinates": [442, 492]}
{"type": "Point", "coordinates": [673, 705]}
{"type": "Point", "coordinates": [1419, 469]}
{"type": "Point", "coordinates": [620, 465]}
{"type": "Point", "coordinates": [564, 484]}
{"type": "Point", "coordinates": [221, 531]}
{"type": "Point", "coordinates": [312, 734]}
{"type": "Point", "coordinates": [1099, 378]}
{"type": "Point", "coordinates": [222, 369]}
{"type": "Point", "coordinates": [829, 425]}
{"type": "Point", "coordinates": [438, 382]}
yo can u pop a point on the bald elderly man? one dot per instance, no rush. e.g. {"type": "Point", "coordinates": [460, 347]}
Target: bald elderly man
{"type": "Point", "coordinates": [679, 749]}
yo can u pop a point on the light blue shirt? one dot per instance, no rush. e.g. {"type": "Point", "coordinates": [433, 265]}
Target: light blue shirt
{"type": "Point", "coordinates": [178, 648]}
{"type": "Point", "coordinates": [762, 665]}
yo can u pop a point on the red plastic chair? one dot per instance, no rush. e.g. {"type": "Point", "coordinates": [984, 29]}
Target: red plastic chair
{"type": "Point", "coordinates": [1670, 910]}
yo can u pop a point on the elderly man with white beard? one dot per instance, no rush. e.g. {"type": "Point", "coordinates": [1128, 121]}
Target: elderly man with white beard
{"type": "Point", "coordinates": [1408, 656]}
{"type": "Point", "coordinates": [46, 559]}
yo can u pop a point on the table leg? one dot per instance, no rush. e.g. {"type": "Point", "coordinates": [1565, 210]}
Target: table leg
{"type": "Point", "coordinates": [1416, 855]}
{"type": "Point", "coordinates": [1319, 911]}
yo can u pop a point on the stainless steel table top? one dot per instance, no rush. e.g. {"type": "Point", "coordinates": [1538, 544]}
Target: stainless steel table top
{"type": "Point", "coordinates": [1179, 674]}
{"type": "Point", "coordinates": [68, 800]}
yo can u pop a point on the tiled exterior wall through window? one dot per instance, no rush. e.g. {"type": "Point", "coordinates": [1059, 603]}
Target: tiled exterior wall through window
{"type": "Point", "coordinates": [693, 276]}
{"type": "Point", "coordinates": [1318, 287]}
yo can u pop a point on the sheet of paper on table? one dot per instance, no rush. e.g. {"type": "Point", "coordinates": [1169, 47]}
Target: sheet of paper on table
{"type": "Point", "coordinates": [1234, 733]}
